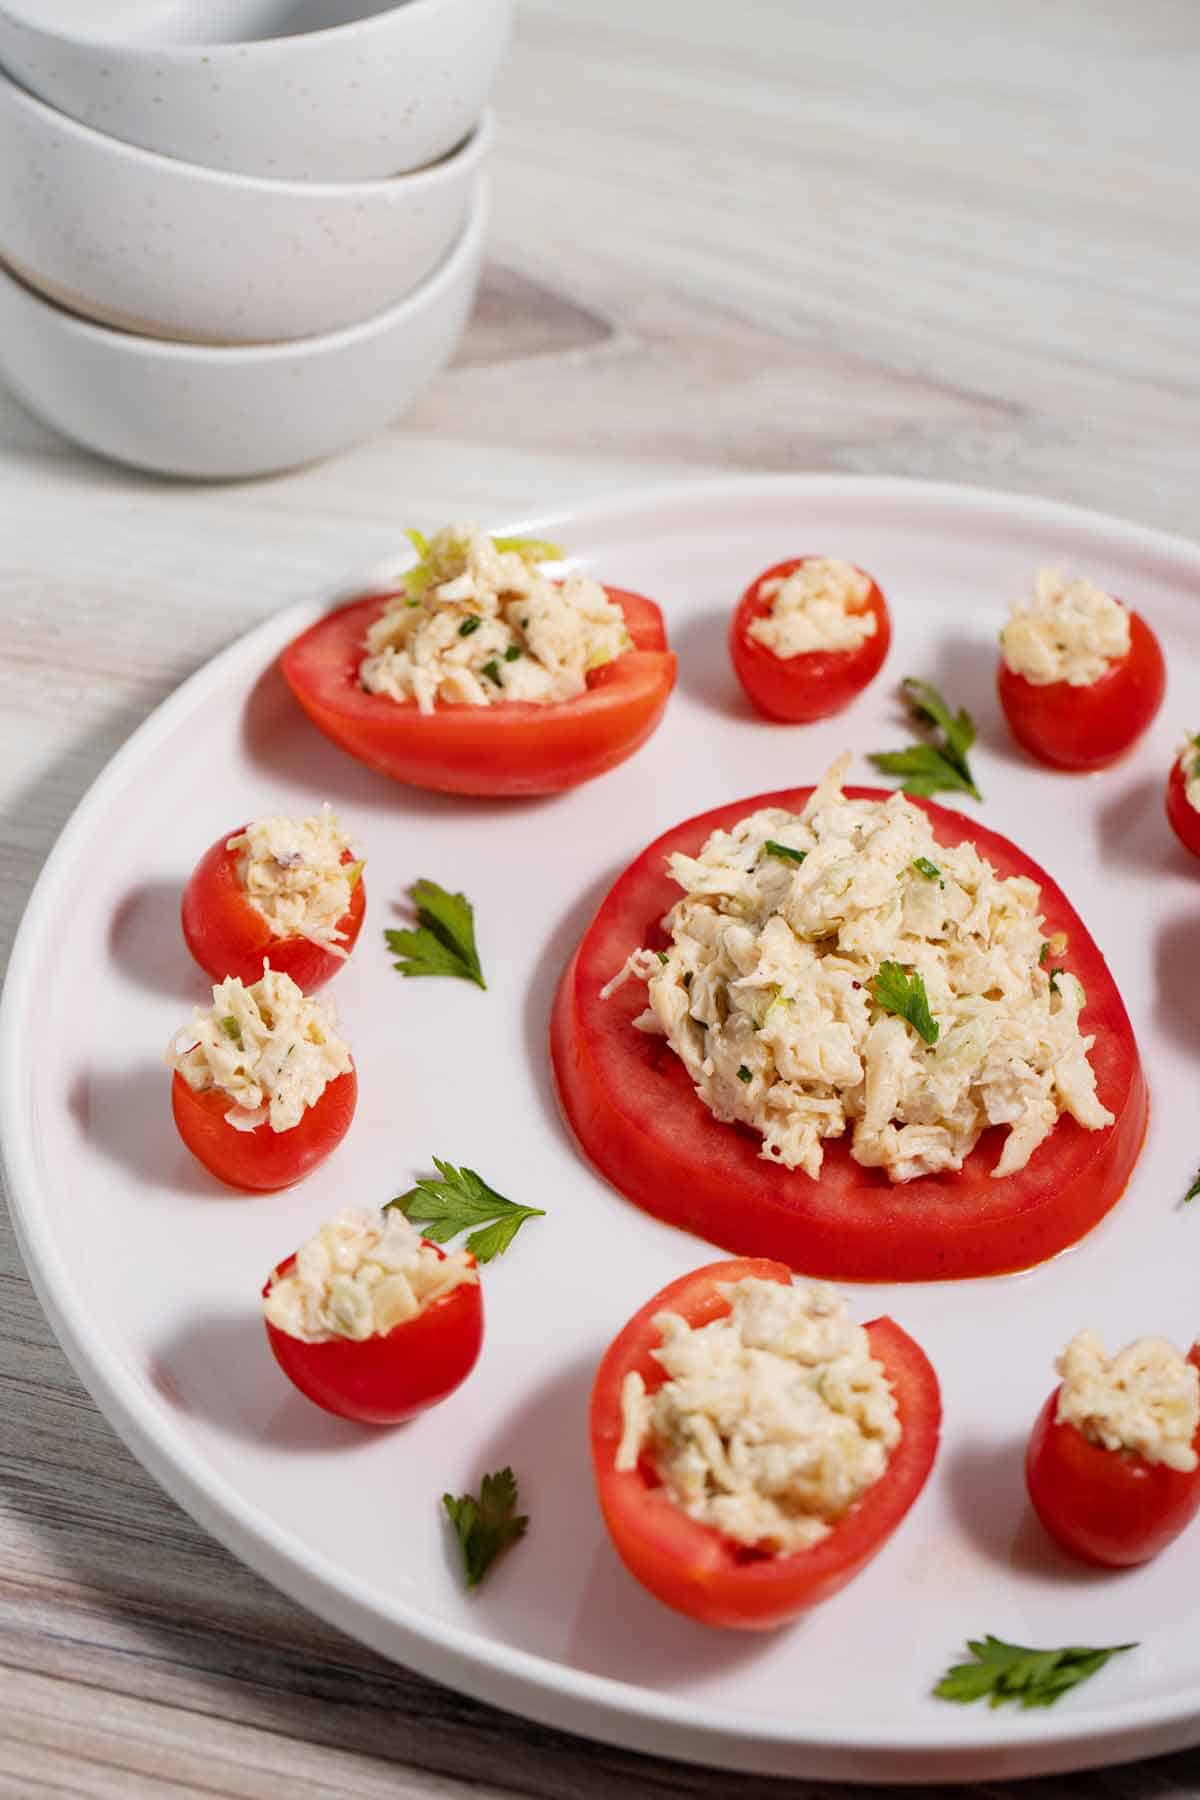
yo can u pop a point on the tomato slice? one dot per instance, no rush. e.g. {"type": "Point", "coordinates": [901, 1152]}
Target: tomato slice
{"type": "Point", "coordinates": [512, 748]}
{"type": "Point", "coordinates": [394, 1375]}
{"type": "Point", "coordinates": [262, 1160]}
{"type": "Point", "coordinates": [631, 1104]}
{"type": "Point", "coordinates": [1185, 820]}
{"type": "Point", "coordinates": [692, 1567]}
{"type": "Point", "coordinates": [796, 689]}
{"type": "Point", "coordinates": [228, 935]}
{"type": "Point", "coordinates": [1088, 727]}
{"type": "Point", "coordinates": [1109, 1507]}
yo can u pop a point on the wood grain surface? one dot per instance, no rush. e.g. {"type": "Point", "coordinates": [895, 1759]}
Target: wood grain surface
{"type": "Point", "coordinates": [955, 239]}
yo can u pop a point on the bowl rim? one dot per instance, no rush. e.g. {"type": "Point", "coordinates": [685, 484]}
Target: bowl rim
{"type": "Point", "coordinates": [282, 45]}
{"type": "Point", "coordinates": [469, 151]}
{"type": "Point", "coordinates": [458, 260]}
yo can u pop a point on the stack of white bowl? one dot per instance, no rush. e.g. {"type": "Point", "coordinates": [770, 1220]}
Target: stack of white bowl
{"type": "Point", "coordinates": [238, 235]}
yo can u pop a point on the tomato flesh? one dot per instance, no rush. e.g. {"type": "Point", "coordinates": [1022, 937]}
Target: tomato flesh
{"type": "Point", "coordinates": [1090, 727]}
{"type": "Point", "coordinates": [228, 935]}
{"type": "Point", "coordinates": [1108, 1507]}
{"type": "Point", "coordinates": [692, 1567]}
{"type": "Point", "coordinates": [795, 689]}
{"type": "Point", "coordinates": [262, 1160]}
{"type": "Point", "coordinates": [1185, 820]}
{"type": "Point", "coordinates": [513, 748]}
{"type": "Point", "coordinates": [630, 1103]}
{"type": "Point", "coordinates": [393, 1375]}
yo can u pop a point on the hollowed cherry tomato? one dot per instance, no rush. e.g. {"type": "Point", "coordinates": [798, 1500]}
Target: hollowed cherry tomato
{"type": "Point", "coordinates": [814, 684]}
{"type": "Point", "coordinates": [1085, 728]}
{"type": "Point", "coordinates": [262, 1160]}
{"type": "Point", "coordinates": [228, 935]}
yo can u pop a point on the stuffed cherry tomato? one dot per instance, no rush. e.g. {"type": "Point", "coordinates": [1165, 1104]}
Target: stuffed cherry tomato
{"type": "Point", "coordinates": [718, 1505]}
{"type": "Point", "coordinates": [372, 1322]}
{"type": "Point", "coordinates": [480, 675]}
{"type": "Point", "coordinates": [1183, 796]}
{"type": "Point", "coordinates": [284, 891]}
{"type": "Point", "coordinates": [1080, 676]}
{"type": "Point", "coordinates": [1113, 1464]}
{"type": "Point", "coordinates": [834, 1113]}
{"type": "Point", "coordinates": [264, 1088]}
{"type": "Point", "coordinates": [807, 636]}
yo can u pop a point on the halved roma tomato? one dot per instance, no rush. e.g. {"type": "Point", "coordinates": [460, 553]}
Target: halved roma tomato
{"type": "Point", "coordinates": [228, 935]}
{"type": "Point", "coordinates": [394, 1375]}
{"type": "Point", "coordinates": [692, 1567]}
{"type": "Point", "coordinates": [629, 1101]}
{"type": "Point", "coordinates": [1106, 1506]}
{"type": "Point", "coordinates": [1185, 820]}
{"type": "Point", "coordinates": [1088, 727]}
{"type": "Point", "coordinates": [262, 1160]}
{"type": "Point", "coordinates": [816, 683]}
{"type": "Point", "coordinates": [514, 747]}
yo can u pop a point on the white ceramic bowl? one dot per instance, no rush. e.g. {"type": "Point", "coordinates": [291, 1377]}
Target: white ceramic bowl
{"type": "Point", "coordinates": [170, 250]}
{"type": "Point", "coordinates": [192, 410]}
{"type": "Point", "coordinates": [255, 88]}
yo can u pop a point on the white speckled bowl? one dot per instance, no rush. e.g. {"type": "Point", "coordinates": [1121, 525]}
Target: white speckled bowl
{"type": "Point", "coordinates": [170, 250]}
{"type": "Point", "coordinates": [194, 410]}
{"type": "Point", "coordinates": [257, 87]}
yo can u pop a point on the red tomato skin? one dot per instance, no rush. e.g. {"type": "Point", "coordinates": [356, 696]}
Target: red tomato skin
{"type": "Point", "coordinates": [510, 750]}
{"type": "Point", "coordinates": [1185, 820]}
{"type": "Point", "coordinates": [1082, 728]}
{"type": "Point", "coordinates": [1107, 1507]}
{"type": "Point", "coordinates": [797, 689]}
{"type": "Point", "coordinates": [693, 1568]}
{"type": "Point", "coordinates": [229, 936]}
{"type": "Point", "coordinates": [262, 1160]}
{"type": "Point", "coordinates": [393, 1376]}
{"type": "Point", "coordinates": [629, 1101]}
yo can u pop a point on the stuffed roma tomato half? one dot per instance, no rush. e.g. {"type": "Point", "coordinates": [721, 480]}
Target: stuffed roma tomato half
{"type": "Point", "coordinates": [807, 636]}
{"type": "Point", "coordinates": [1183, 796]}
{"type": "Point", "coordinates": [481, 675]}
{"type": "Point", "coordinates": [1113, 1464]}
{"type": "Point", "coordinates": [852, 1031]}
{"type": "Point", "coordinates": [753, 1447]}
{"type": "Point", "coordinates": [1080, 677]}
{"type": "Point", "coordinates": [284, 891]}
{"type": "Point", "coordinates": [371, 1321]}
{"type": "Point", "coordinates": [264, 1088]}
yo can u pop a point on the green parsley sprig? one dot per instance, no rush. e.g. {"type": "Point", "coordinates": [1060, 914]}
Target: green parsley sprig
{"type": "Point", "coordinates": [444, 941]}
{"type": "Point", "coordinates": [487, 1526]}
{"type": "Point", "coordinates": [938, 767]}
{"type": "Point", "coordinates": [902, 991]}
{"type": "Point", "coordinates": [460, 1201]}
{"type": "Point", "coordinates": [1194, 1190]}
{"type": "Point", "coordinates": [1001, 1672]}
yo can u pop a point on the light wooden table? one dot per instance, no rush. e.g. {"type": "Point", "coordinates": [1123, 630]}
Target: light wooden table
{"type": "Point", "coordinates": [953, 239]}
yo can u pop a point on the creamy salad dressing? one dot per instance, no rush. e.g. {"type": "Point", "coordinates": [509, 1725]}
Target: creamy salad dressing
{"type": "Point", "coordinates": [362, 1274]}
{"type": "Point", "coordinates": [764, 990]}
{"type": "Point", "coordinates": [773, 1420]}
{"type": "Point", "coordinates": [268, 1047]}
{"type": "Point", "coordinates": [293, 874]}
{"type": "Point", "coordinates": [819, 606]}
{"type": "Point", "coordinates": [1146, 1398]}
{"type": "Point", "coordinates": [1070, 630]}
{"type": "Point", "coordinates": [477, 624]}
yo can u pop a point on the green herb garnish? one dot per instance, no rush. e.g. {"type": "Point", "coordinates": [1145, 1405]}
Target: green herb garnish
{"type": "Point", "coordinates": [492, 671]}
{"type": "Point", "coordinates": [1194, 1190]}
{"type": "Point", "coordinates": [744, 1074]}
{"type": "Point", "coordinates": [470, 625]}
{"type": "Point", "coordinates": [902, 991]}
{"type": "Point", "coordinates": [1003, 1672]}
{"type": "Point", "coordinates": [487, 1526]}
{"type": "Point", "coordinates": [512, 653]}
{"type": "Point", "coordinates": [460, 1200]}
{"type": "Point", "coordinates": [662, 956]}
{"type": "Point", "coordinates": [444, 941]}
{"type": "Point", "coordinates": [928, 869]}
{"type": "Point", "coordinates": [784, 852]}
{"type": "Point", "coordinates": [933, 768]}
{"type": "Point", "coordinates": [232, 1030]}
{"type": "Point", "coordinates": [1043, 953]}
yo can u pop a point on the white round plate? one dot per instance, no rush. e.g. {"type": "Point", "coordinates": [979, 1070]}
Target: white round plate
{"type": "Point", "coordinates": [150, 1273]}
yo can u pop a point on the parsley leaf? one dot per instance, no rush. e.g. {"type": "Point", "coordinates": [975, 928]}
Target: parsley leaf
{"type": "Point", "coordinates": [512, 653]}
{"type": "Point", "coordinates": [1003, 1672]}
{"type": "Point", "coordinates": [902, 991]}
{"type": "Point", "coordinates": [444, 943]}
{"type": "Point", "coordinates": [928, 869]}
{"type": "Point", "coordinates": [487, 1526]}
{"type": "Point", "coordinates": [492, 671]}
{"type": "Point", "coordinates": [462, 1199]}
{"type": "Point", "coordinates": [743, 1073]}
{"type": "Point", "coordinates": [470, 625]}
{"type": "Point", "coordinates": [1194, 1190]}
{"type": "Point", "coordinates": [784, 852]}
{"type": "Point", "coordinates": [933, 768]}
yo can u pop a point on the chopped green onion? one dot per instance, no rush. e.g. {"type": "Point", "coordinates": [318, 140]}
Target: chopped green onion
{"type": "Point", "coordinates": [784, 852]}
{"type": "Point", "coordinates": [512, 653]}
{"type": "Point", "coordinates": [744, 1074]}
{"type": "Point", "coordinates": [469, 625]}
{"type": "Point", "coordinates": [492, 671]}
